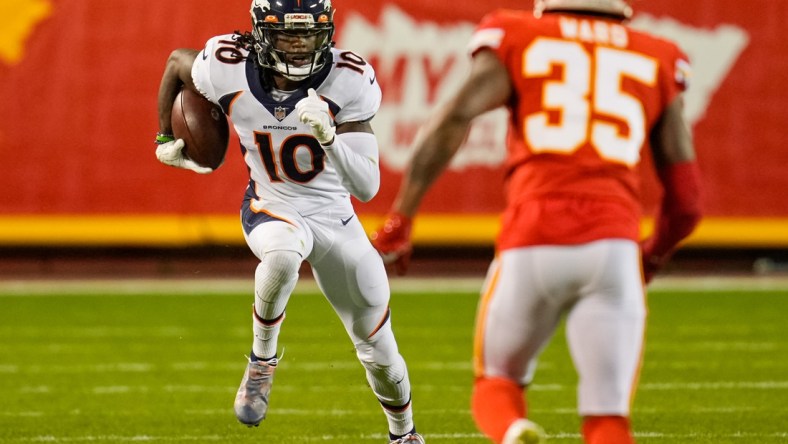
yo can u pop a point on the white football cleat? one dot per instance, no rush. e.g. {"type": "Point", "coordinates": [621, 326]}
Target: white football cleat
{"type": "Point", "coordinates": [251, 401]}
{"type": "Point", "coordinates": [410, 438]}
{"type": "Point", "coordinates": [524, 431]}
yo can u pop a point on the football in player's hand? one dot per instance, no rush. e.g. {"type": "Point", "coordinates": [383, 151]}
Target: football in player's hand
{"type": "Point", "coordinates": [202, 126]}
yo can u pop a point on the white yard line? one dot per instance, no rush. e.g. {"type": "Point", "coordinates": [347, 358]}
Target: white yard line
{"type": "Point", "coordinates": [115, 390]}
{"type": "Point", "coordinates": [448, 437]}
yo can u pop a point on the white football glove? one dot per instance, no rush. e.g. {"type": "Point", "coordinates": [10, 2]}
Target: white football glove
{"type": "Point", "coordinates": [171, 153]}
{"type": "Point", "coordinates": [313, 111]}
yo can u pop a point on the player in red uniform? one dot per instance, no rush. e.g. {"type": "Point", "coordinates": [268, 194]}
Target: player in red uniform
{"type": "Point", "coordinates": [586, 94]}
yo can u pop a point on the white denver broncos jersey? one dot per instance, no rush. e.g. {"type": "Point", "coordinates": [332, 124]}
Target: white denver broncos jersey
{"type": "Point", "coordinates": [286, 163]}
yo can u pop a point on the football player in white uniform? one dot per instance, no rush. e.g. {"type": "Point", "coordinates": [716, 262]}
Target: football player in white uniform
{"type": "Point", "coordinates": [301, 109]}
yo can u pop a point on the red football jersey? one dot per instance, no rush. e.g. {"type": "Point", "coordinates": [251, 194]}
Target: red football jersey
{"type": "Point", "coordinates": [587, 92]}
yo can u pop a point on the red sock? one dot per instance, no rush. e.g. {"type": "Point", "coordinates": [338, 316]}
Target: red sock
{"type": "Point", "coordinates": [607, 430]}
{"type": "Point", "coordinates": [495, 404]}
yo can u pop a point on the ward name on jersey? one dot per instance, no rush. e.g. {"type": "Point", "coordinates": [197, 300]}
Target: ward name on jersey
{"type": "Point", "coordinates": [286, 163]}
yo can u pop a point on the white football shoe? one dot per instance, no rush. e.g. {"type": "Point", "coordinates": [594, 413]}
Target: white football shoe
{"type": "Point", "coordinates": [410, 438]}
{"type": "Point", "coordinates": [251, 401]}
{"type": "Point", "coordinates": [524, 431]}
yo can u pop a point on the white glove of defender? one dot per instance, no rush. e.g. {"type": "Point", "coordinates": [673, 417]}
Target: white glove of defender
{"type": "Point", "coordinates": [171, 153]}
{"type": "Point", "coordinates": [313, 111]}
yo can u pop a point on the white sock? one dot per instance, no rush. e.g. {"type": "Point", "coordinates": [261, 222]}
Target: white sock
{"type": "Point", "coordinates": [274, 279]}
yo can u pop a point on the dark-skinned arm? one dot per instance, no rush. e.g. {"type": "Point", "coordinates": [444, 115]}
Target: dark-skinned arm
{"type": "Point", "coordinates": [177, 75]}
{"type": "Point", "coordinates": [680, 210]}
{"type": "Point", "coordinates": [487, 87]}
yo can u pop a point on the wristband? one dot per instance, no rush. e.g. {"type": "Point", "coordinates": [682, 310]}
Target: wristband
{"type": "Point", "coordinates": [328, 145]}
{"type": "Point", "coordinates": [162, 138]}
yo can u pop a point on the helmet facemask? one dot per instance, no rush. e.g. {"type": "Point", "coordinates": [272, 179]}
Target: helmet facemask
{"type": "Point", "coordinates": [295, 45]}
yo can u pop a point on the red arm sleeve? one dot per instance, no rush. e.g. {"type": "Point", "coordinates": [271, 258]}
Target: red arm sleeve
{"type": "Point", "coordinates": [679, 213]}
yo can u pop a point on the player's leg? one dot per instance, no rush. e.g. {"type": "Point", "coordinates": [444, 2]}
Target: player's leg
{"type": "Point", "coordinates": [279, 244]}
{"type": "Point", "coordinates": [496, 401]}
{"type": "Point", "coordinates": [516, 317]}
{"type": "Point", "coordinates": [605, 334]}
{"type": "Point", "coordinates": [608, 429]}
{"type": "Point", "coordinates": [351, 274]}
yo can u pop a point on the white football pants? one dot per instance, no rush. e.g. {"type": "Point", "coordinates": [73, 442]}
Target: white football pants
{"type": "Point", "coordinates": [351, 275]}
{"type": "Point", "coordinates": [598, 286]}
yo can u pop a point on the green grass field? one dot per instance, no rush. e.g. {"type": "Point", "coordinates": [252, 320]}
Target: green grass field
{"type": "Point", "coordinates": [129, 364]}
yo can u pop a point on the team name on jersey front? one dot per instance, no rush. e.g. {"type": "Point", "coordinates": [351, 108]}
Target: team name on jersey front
{"type": "Point", "coordinates": [286, 163]}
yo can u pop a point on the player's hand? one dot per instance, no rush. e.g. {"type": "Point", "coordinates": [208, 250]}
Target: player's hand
{"type": "Point", "coordinates": [171, 153]}
{"type": "Point", "coordinates": [313, 111]}
{"type": "Point", "coordinates": [652, 263]}
{"type": "Point", "coordinates": [392, 241]}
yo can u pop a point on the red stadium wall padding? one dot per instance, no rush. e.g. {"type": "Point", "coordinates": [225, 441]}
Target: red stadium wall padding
{"type": "Point", "coordinates": [78, 82]}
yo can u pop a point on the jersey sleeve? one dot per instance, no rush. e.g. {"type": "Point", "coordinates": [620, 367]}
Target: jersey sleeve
{"type": "Point", "coordinates": [209, 73]}
{"type": "Point", "coordinates": [364, 96]}
{"type": "Point", "coordinates": [493, 33]}
{"type": "Point", "coordinates": [201, 71]}
{"type": "Point", "coordinates": [676, 73]}
{"type": "Point", "coordinates": [683, 71]}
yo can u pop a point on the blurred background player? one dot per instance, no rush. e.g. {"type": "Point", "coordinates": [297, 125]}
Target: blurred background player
{"type": "Point", "coordinates": [284, 87]}
{"type": "Point", "coordinates": [585, 95]}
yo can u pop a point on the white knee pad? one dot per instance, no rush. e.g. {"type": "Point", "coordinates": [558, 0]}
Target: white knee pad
{"type": "Point", "coordinates": [373, 284]}
{"type": "Point", "coordinates": [275, 278]}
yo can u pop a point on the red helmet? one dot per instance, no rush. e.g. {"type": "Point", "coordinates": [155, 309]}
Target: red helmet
{"type": "Point", "coordinates": [618, 8]}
